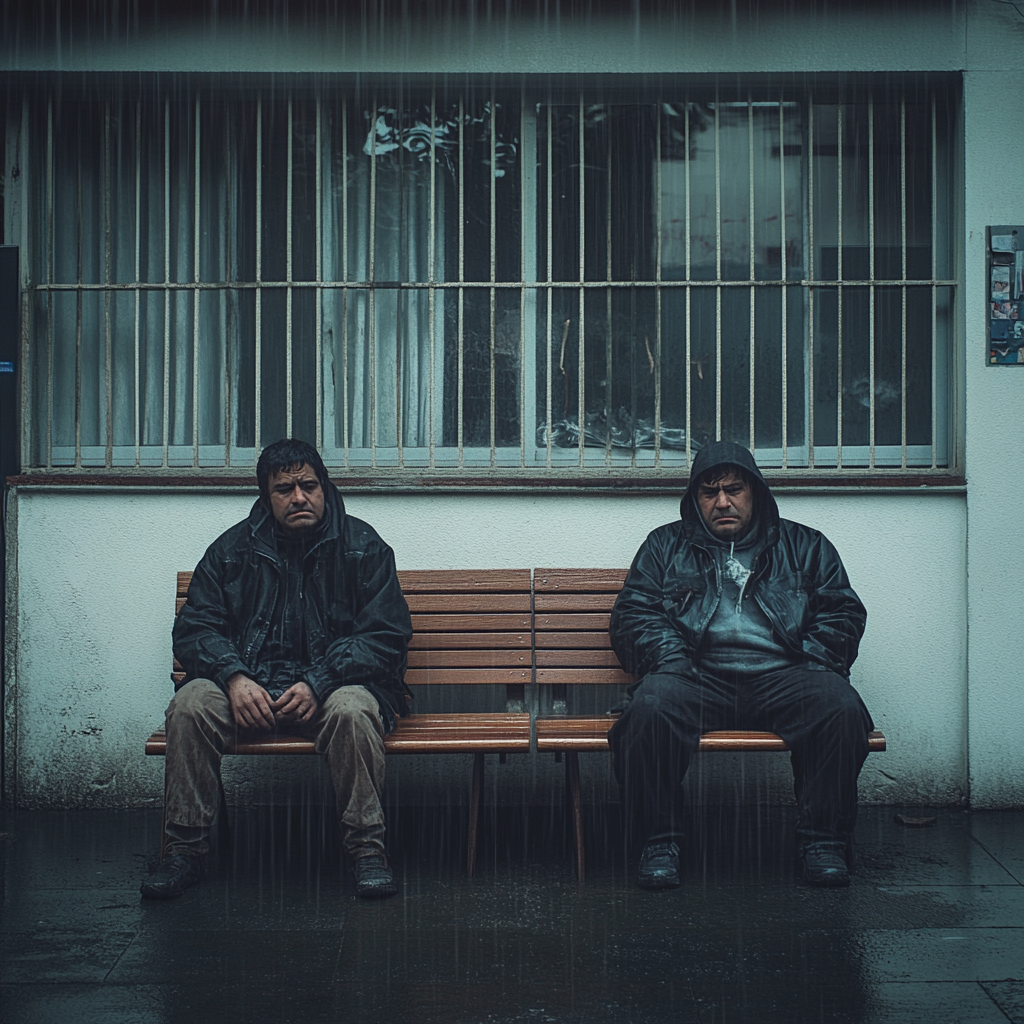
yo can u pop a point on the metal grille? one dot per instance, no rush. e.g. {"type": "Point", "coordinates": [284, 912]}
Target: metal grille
{"type": "Point", "coordinates": [523, 284]}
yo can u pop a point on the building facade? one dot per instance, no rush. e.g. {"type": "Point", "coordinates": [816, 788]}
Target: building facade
{"type": "Point", "coordinates": [509, 271]}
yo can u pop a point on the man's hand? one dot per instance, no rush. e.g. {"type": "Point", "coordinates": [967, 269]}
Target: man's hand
{"type": "Point", "coordinates": [296, 704]}
{"type": "Point", "coordinates": [250, 703]}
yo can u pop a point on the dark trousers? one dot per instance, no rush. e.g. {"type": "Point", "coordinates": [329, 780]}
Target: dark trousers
{"type": "Point", "coordinates": [818, 713]}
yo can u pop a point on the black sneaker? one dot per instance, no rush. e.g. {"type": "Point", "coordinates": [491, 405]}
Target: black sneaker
{"type": "Point", "coordinates": [659, 867]}
{"type": "Point", "coordinates": [374, 879]}
{"type": "Point", "coordinates": [824, 864]}
{"type": "Point", "coordinates": [172, 877]}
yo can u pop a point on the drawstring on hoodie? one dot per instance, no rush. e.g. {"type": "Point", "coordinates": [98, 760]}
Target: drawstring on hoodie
{"type": "Point", "coordinates": [738, 573]}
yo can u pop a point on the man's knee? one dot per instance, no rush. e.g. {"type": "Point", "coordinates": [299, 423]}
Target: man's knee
{"type": "Point", "coordinates": [839, 701]}
{"type": "Point", "coordinates": [198, 699]}
{"type": "Point", "coordinates": [352, 709]}
{"type": "Point", "coordinates": [662, 706]}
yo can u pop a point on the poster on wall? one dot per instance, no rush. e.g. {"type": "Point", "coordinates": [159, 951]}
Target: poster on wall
{"type": "Point", "coordinates": [1005, 299]}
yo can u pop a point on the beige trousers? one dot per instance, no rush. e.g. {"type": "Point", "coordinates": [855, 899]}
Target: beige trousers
{"type": "Point", "coordinates": [346, 728]}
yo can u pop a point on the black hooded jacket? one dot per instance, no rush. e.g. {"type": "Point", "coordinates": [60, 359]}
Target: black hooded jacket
{"type": "Point", "coordinates": [674, 584]}
{"type": "Point", "coordinates": [354, 616]}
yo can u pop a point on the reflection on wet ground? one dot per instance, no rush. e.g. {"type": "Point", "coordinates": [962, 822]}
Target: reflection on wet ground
{"type": "Point", "coordinates": [931, 930]}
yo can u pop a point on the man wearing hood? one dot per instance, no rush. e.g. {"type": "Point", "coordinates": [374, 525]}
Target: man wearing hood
{"type": "Point", "coordinates": [295, 620]}
{"type": "Point", "coordinates": [733, 618]}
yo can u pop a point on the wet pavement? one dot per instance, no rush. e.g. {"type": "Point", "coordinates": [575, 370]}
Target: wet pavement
{"type": "Point", "coordinates": [931, 930]}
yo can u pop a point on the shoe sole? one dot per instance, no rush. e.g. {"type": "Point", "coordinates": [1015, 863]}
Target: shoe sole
{"type": "Point", "coordinates": [659, 883]}
{"type": "Point", "coordinates": [827, 883]}
{"type": "Point", "coordinates": [149, 893]}
{"type": "Point", "coordinates": [377, 892]}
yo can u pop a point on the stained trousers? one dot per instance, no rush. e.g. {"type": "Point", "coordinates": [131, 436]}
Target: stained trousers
{"type": "Point", "coordinates": [346, 728]}
{"type": "Point", "coordinates": [819, 714]}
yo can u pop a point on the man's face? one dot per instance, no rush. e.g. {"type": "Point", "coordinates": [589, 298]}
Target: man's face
{"type": "Point", "coordinates": [296, 499]}
{"type": "Point", "coordinates": [727, 505]}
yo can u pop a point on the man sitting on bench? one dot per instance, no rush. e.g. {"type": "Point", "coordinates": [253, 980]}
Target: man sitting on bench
{"type": "Point", "coordinates": [294, 620]}
{"type": "Point", "coordinates": [733, 618]}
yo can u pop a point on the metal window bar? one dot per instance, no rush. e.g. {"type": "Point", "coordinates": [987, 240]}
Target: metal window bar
{"type": "Point", "coordinates": [784, 290]}
{"type": "Point", "coordinates": [462, 276]}
{"type": "Point", "coordinates": [136, 354]}
{"type": "Point", "coordinates": [839, 286]}
{"type": "Point", "coordinates": [657, 297]}
{"type": "Point", "coordinates": [108, 455]}
{"type": "Point", "coordinates": [810, 279]}
{"type": "Point", "coordinates": [903, 287]}
{"type": "Point", "coordinates": [689, 348]}
{"type": "Point", "coordinates": [549, 265]}
{"type": "Point", "coordinates": [289, 185]}
{"type": "Point", "coordinates": [319, 274]}
{"type": "Point", "coordinates": [753, 290]}
{"type": "Point", "coordinates": [49, 280]}
{"type": "Point", "coordinates": [432, 272]}
{"type": "Point", "coordinates": [402, 213]}
{"type": "Point", "coordinates": [934, 289]}
{"type": "Point", "coordinates": [344, 291]}
{"type": "Point", "coordinates": [871, 276]}
{"type": "Point", "coordinates": [718, 271]}
{"type": "Point", "coordinates": [196, 232]}
{"type": "Point", "coordinates": [258, 350]}
{"type": "Point", "coordinates": [230, 258]}
{"type": "Point", "coordinates": [371, 277]}
{"type": "Point", "coordinates": [581, 353]}
{"type": "Point", "coordinates": [80, 230]}
{"type": "Point", "coordinates": [492, 193]}
{"type": "Point", "coordinates": [609, 331]}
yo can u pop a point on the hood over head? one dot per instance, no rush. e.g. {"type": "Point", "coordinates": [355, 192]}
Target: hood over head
{"type": "Point", "coordinates": [728, 453]}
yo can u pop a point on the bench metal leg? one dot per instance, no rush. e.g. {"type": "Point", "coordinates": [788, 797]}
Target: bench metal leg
{"type": "Point", "coordinates": [572, 785]}
{"type": "Point", "coordinates": [476, 800]}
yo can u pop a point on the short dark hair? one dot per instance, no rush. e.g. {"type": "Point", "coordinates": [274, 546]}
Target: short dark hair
{"type": "Point", "coordinates": [713, 473]}
{"type": "Point", "coordinates": [288, 453]}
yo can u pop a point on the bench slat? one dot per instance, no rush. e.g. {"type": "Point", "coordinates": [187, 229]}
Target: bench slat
{"type": "Point", "coordinates": [600, 658]}
{"type": "Point", "coordinates": [576, 676]}
{"type": "Point", "coordinates": [486, 602]}
{"type": "Point", "coordinates": [567, 622]}
{"type": "Point", "coordinates": [446, 581]}
{"type": "Point", "coordinates": [468, 676]}
{"type": "Point", "coordinates": [469, 659]}
{"type": "Point", "coordinates": [573, 641]}
{"type": "Point", "coordinates": [564, 602]}
{"type": "Point", "coordinates": [461, 623]}
{"type": "Point", "coordinates": [467, 641]}
{"type": "Point", "coordinates": [582, 580]}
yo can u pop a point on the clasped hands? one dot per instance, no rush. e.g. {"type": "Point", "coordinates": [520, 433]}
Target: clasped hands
{"type": "Point", "coordinates": [252, 707]}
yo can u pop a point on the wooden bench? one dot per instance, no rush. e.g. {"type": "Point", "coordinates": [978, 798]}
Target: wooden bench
{"type": "Point", "coordinates": [572, 609]}
{"type": "Point", "coordinates": [469, 628]}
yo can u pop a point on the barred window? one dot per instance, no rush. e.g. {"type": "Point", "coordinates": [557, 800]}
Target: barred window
{"type": "Point", "coordinates": [515, 280]}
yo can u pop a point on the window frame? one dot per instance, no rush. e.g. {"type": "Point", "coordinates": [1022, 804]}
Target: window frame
{"type": "Point", "coordinates": [529, 465]}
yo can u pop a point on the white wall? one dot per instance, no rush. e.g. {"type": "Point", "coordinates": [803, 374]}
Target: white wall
{"type": "Point", "coordinates": [993, 94]}
{"type": "Point", "coordinates": [95, 601]}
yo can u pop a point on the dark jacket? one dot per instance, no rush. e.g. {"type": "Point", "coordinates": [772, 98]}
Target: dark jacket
{"type": "Point", "coordinates": [356, 621]}
{"type": "Point", "coordinates": [674, 584]}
